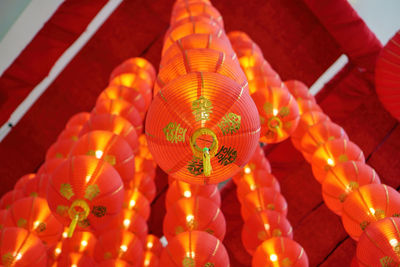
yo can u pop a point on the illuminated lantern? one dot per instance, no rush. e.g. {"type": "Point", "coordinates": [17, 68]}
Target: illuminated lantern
{"type": "Point", "coordinates": [279, 113]}
{"type": "Point", "coordinates": [299, 90]}
{"type": "Point", "coordinates": [195, 9]}
{"type": "Point", "coordinates": [121, 108]}
{"type": "Point", "coordinates": [60, 149]}
{"type": "Point", "coordinates": [134, 66]}
{"type": "Point", "coordinates": [145, 166]}
{"type": "Point", "coordinates": [80, 242]}
{"type": "Point", "coordinates": [261, 226]}
{"type": "Point", "coordinates": [343, 179]}
{"type": "Point", "coordinates": [194, 248]}
{"type": "Point", "coordinates": [145, 184]}
{"type": "Point", "coordinates": [79, 119]}
{"type": "Point", "coordinates": [115, 124]}
{"type": "Point", "coordinates": [259, 83]}
{"type": "Point", "coordinates": [114, 263]}
{"type": "Point", "coordinates": [254, 180]}
{"type": "Point", "coordinates": [263, 199]}
{"type": "Point", "coordinates": [387, 76]}
{"type": "Point", "coordinates": [10, 197]}
{"type": "Point", "coordinates": [119, 244]}
{"type": "Point", "coordinates": [5, 219]}
{"type": "Point", "coordinates": [317, 135]}
{"type": "Point", "coordinates": [178, 190]}
{"type": "Point", "coordinates": [85, 192]}
{"type": "Point", "coordinates": [368, 204]}
{"type": "Point", "coordinates": [38, 186]}
{"type": "Point", "coordinates": [201, 128]}
{"type": "Point", "coordinates": [307, 105]}
{"type": "Point", "coordinates": [150, 259]}
{"type": "Point", "coordinates": [379, 245]}
{"type": "Point", "coordinates": [153, 244]}
{"type": "Point", "coordinates": [280, 251]}
{"type": "Point", "coordinates": [195, 213]}
{"type": "Point", "coordinates": [70, 133]}
{"type": "Point", "coordinates": [134, 200]}
{"type": "Point", "coordinates": [307, 120]}
{"type": "Point", "coordinates": [131, 221]}
{"type": "Point", "coordinates": [20, 184]}
{"type": "Point", "coordinates": [18, 248]}
{"type": "Point", "coordinates": [109, 147]}
{"type": "Point", "coordinates": [34, 215]}
{"type": "Point", "coordinates": [75, 260]}
{"type": "Point", "coordinates": [331, 153]}
{"type": "Point", "coordinates": [245, 48]}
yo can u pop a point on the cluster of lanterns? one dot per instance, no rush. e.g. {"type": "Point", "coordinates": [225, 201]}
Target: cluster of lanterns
{"type": "Point", "coordinates": [88, 203]}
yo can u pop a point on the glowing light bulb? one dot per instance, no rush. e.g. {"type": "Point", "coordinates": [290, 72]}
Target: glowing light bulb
{"type": "Point", "coordinates": [98, 154]}
{"type": "Point", "coordinates": [124, 248]}
{"type": "Point", "coordinates": [189, 218]}
{"type": "Point", "coordinates": [126, 223]}
{"type": "Point", "coordinates": [187, 194]}
{"type": "Point", "coordinates": [19, 256]}
{"type": "Point", "coordinates": [253, 187]}
{"type": "Point", "coordinates": [132, 203]}
{"type": "Point", "coordinates": [247, 170]}
{"type": "Point", "coordinates": [146, 262]}
{"type": "Point", "coordinates": [273, 257]}
{"type": "Point", "coordinates": [88, 178]}
{"type": "Point", "coordinates": [149, 245]}
{"type": "Point", "coordinates": [190, 254]}
{"type": "Point", "coordinates": [36, 224]}
{"type": "Point", "coordinates": [372, 210]}
{"type": "Point", "coordinates": [84, 243]}
{"type": "Point", "coordinates": [74, 265]}
{"type": "Point", "coordinates": [330, 162]}
{"type": "Point", "coordinates": [393, 242]}
{"type": "Point", "coordinates": [266, 226]}
{"type": "Point", "coordinates": [57, 251]}
{"type": "Point", "coordinates": [65, 234]}
{"type": "Point", "coordinates": [275, 111]}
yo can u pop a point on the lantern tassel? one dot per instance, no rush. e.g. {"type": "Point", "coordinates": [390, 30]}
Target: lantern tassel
{"type": "Point", "coordinates": [279, 131]}
{"type": "Point", "coordinates": [207, 168]}
{"type": "Point", "coordinates": [72, 226]}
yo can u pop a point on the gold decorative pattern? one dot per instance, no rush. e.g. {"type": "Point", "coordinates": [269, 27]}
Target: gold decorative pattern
{"type": "Point", "coordinates": [7, 259]}
{"type": "Point", "coordinates": [209, 264]}
{"type": "Point", "coordinates": [62, 210]}
{"type": "Point", "coordinates": [188, 262]}
{"type": "Point", "coordinates": [387, 261]}
{"type": "Point", "coordinates": [202, 108]}
{"type": "Point", "coordinates": [285, 111]}
{"type": "Point", "coordinates": [66, 191]}
{"type": "Point", "coordinates": [230, 123]}
{"type": "Point", "coordinates": [92, 191]}
{"type": "Point", "coordinates": [286, 262]}
{"type": "Point", "coordinates": [195, 167]}
{"type": "Point", "coordinates": [107, 255]}
{"type": "Point", "coordinates": [21, 222]}
{"type": "Point", "coordinates": [99, 211]}
{"type": "Point", "coordinates": [276, 233]}
{"type": "Point", "coordinates": [262, 235]}
{"type": "Point", "coordinates": [41, 227]}
{"type": "Point", "coordinates": [226, 155]}
{"type": "Point", "coordinates": [174, 133]}
{"type": "Point", "coordinates": [179, 229]}
{"type": "Point", "coordinates": [364, 224]}
{"type": "Point", "coordinates": [268, 108]}
{"type": "Point", "coordinates": [343, 158]}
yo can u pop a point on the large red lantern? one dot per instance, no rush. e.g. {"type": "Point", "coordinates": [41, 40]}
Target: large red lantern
{"type": "Point", "coordinates": [195, 213]}
{"type": "Point", "coordinates": [280, 251]}
{"type": "Point", "coordinates": [20, 248]}
{"type": "Point", "coordinates": [194, 248]}
{"type": "Point", "coordinates": [201, 128]}
{"type": "Point", "coordinates": [85, 192]}
{"type": "Point", "coordinates": [370, 203]}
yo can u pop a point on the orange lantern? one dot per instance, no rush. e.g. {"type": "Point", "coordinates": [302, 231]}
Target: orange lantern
{"type": "Point", "coordinates": [246, 49]}
{"type": "Point", "coordinates": [379, 244]}
{"type": "Point", "coordinates": [22, 181]}
{"type": "Point", "coordinates": [109, 147]}
{"type": "Point", "coordinates": [195, 213]}
{"type": "Point", "coordinates": [259, 83]}
{"type": "Point", "coordinates": [70, 133]}
{"type": "Point", "coordinates": [134, 66]}
{"type": "Point", "coordinates": [179, 190]}
{"type": "Point", "coordinates": [10, 197]}
{"type": "Point", "coordinates": [85, 191]}
{"type": "Point", "coordinates": [257, 162]}
{"type": "Point", "coordinates": [153, 245]}
{"type": "Point", "coordinates": [194, 248]}
{"type": "Point", "coordinates": [121, 108]}
{"type": "Point", "coordinates": [199, 134]}
{"type": "Point", "coordinates": [145, 184]}
{"type": "Point", "coordinates": [299, 90]}
{"type": "Point", "coordinates": [5, 219]}
{"type": "Point", "coordinates": [134, 200]}
{"type": "Point", "coordinates": [60, 149]}
{"type": "Point", "coordinates": [79, 119]}
{"type": "Point", "coordinates": [81, 242]}
{"type": "Point", "coordinates": [263, 225]}
{"type": "Point", "coordinates": [150, 259]}
{"type": "Point", "coordinates": [115, 124]}
{"type": "Point", "coordinates": [185, 10]}
{"type": "Point", "coordinates": [263, 199]}
{"type": "Point", "coordinates": [19, 247]}
{"type": "Point", "coordinates": [370, 203]}
{"type": "Point", "coordinates": [279, 113]}
{"type": "Point", "coordinates": [317, 135]}
{"type": "Point", "coordinates": [119, 244]}
{"type": "Point", "coordinates": [331, 153]}
{"type": "Point", "coordinates": [343, 179]}
{"type": "Point", "coordinates": [75, 260]}
{"type": "Point", "coordinates": [34, 215]}
{"type": "Point", "coordinates": [114, 263]}
{"type": "Point", "coordinates": [280, 251]}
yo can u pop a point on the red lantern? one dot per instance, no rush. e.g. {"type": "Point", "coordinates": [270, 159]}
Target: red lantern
{"type": "Point", "coordinates": [70, 133]}
{"type": "Point", "coordinates": [280, 251]}
{"type": "Point", "coordinates": [18, 247]}
{"type": "Point", "coordinates": [75, 260]}
{"type": "Point", "coordinates": [134, 200]}
{"type": "Point", "coordinates": [60, 149]}
{"type": "Point", "coordinates": [261, 226]}
{"type": "Point", "coordinates": [150, 259]}
{"type": "Point", "coordinates": [195, 213]}
{"type": "Point", "coordinates": [343, 179]}
{"type": "Point", "coordinates": [20, 184]}
{"type": "Point", "coordinates": [379, 244]}
{"type": "Point", "coordinates": [79, 119]}
{"type": "Point", "coordinates": [85, 191]}
{"type": "Point", "coordinates": [194, 248]}
{"type": "Point", "coordinates": [331, 153]}
{"type": "Point", "coordinates": [5, 220]}
{"type": "Point", "coordinates": [114, 263]}
{"type": "Point", "coordinates": [185, 10]}
{"type": "Point", "coordinates": [133, 66]}
{"type": "Point", "coordinates": [34, 215]}
{"type": "Point", "coordinates": [208, 134]}
{"type": "Point", "coordinates": [10, 197]}
{"type": "Point", "coordinates": [370, 203]}
{"type": "Point", "coordinates": [178, 190]}
{"type": "Point", "coordinates": [145, 184]}
{"type": "Point", "coordinates": [81, 243]}
{"type": "Point", "coordinates": [263, 199]}
{"type": "Point", "coordinates": [299, 90]}
{"type": "Point", "coordinates": [256, 179]}
{"type": "Point", "coordinates": [109, 147]}
{"type": "Point", "coordinates": [119, 244]}
{"type": "Point", "coordinates": [248, 52]}
{"type": "Point", "coordinates": [153, 245]}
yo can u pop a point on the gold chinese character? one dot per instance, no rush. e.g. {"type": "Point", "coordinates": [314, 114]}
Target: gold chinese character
{"type": "Point", "coordinates": [66, 191]}
{"type": "Point", "coordinates": [202, 108]}
{"type": "Point", "coordinates": [195, 167]}
{"type": "Point", "coordinates": [92, 191]}
{"type": "Point", "coordinates": [174, 133]}
{"type": "Point", "coordinates": [230, 123]}
{"type": "Point", "coordinates": [226, 155]}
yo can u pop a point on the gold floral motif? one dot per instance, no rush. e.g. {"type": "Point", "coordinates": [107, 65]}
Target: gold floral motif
{"type": "Point", "coordinates": [262, 235]}
{"type": "Point", "coordinates": [195, 167]}
{"type": "Point", "coordinates": [276, 232]}
{"type": "Point", "coordinates": [268, 108]}
{"type": "Point", "coordinates": [99, 211]}
{"type": "Point", "coordinates": [226, 155]}
{"type": "Point", "coordinates": [188, 262]}
{"type": "Point", "coordinates": [210, 231]}
{"type": "Point", "coordinates": [379, 214]}
{"type": "Point", "coordinates": [230, 123]}
{"type": "Point", "coordinates": [41, 227]}
{"type": "Point", "coordinates": [66, 191]}
{"type": "Point", "coordinates": [209, 264]}
{"type": "Point", "coordinates": [286, 262]}
{"type": "Point", "coordinates": [107, 255]}
{"type": "Point", "coordinates": [84, 224]}
{"type": "Point", "coordinates": [179, 229]}
{"type": "Point", "coordinates": [202, 108]}
{"type": "Point", "coordinates": [107, 158]}
{"type": "Point", "coordinates": [92, 191]}
{"type": "Point", "coordinates": [284, 112]}
{"type": "Point", "coordinates": [191, 224]}
{"type": "Point", "coordinates": [364, 225]}
{"type": "Point", "coordinates": [21, 222]}
{"type": "Point", "coordinates": [387, 261]}
{"type": "Point", "coordinates": [343, 158]}
{"type": "Point", "coordinates": [7, 259]}
{"type": "Point", "coordinates": [62, 210]}
{"type": "Point", "coordinates": [271, 206]}
{"type": "Point", "coordinates": [174, 133]}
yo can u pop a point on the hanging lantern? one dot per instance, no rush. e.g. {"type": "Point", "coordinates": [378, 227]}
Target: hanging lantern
{"type": "Point", "coordinates": [317, 135]}
{"type": "Point", "coordinates": [194, 248]}
{"type": "Point", "coordinates": [60, 149]}
{"type": "Point", "coordinates": [5, 219]}
{"type": "Point", "coordinates": [22, 181]}
{"type": "Point", "coordinates": [10, 197]}
{"type": "Point", "coordinates": [18, 247]}
{"type": "Point", "coordinates": [81, 243]}
{"type": "Point", "coordinates": [279, 113]}
{"type": "Point", "coordinates": [256, 179]}
{"type": "Point", "coordinates": [368, 204]}
{"type": "Point", "coordinates": [75, 260]}
{"type": "Point", "coordinates": [257, 162]}
{"type": "Point", "coordinates": [263, 199]}
{"type": "Point", "coordinates": [114, 263]}
{"type": "Point", "coordinates": [115, 124]}
{"type": "Point", "coordinates": [145, 184]}
{"type": "Point", "coordinates": [134, 66]}
{"type": "Point", "coordinates": [85, 192]}
{"type": "Point", "coordinates": [299, 90]}
{"type": "Point", "coordinates": [153, 245]}
{"type": "Point", "coordinates": [379, 245]}
{"type": "Point", "coordinates": [134, 200]}
{"type": "Point", "coordinates": [263, 225]}
{"type": "Point", "coordinates": [185, 10]}
{"type": "Point", "coordinates": [195, 213]}
{"type": "Point", "coordinates": [208, 134]}
{"type": "Point", "coordinates": [280, 251]}
{"type": "Point", "coordinates": [109, 147]}
{"type": "Point", "coordinates": [331, 153]}
{"type": "Point", "coordinates": [70, 133]}
{"type": "Point", "coordinates": [34, 215]}
{"type": "Point", "coordinates": [343, 179]}
{"type": "Point", "coordinates": [248, 52]}
{"type": "Point", "coordinates": [180, 190]}
{"type": "Point", "coordinates": [119, 244]}
{"type": "Point", "coordinates": [79, 119]}
{"type": "Point", "coordinates": [150, 259]}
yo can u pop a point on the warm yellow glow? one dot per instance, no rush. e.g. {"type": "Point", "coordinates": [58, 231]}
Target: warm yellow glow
{"type": "Point", "coordinates": [146, 262]}
{"type": "Point", "coordinates": [84, 243]}
{"type": "Point", "coordinates": [36, 224]}
{"type": "Point", "coordinates": [247, 170]}
{"type": "Point", "coordinates": [149, 245]}
{"type": "Point", "coordinates": [99, 154]}
{"type": "Point", "coordinates": [65, 234]}
{"type": "Point", "coordinates": [19, 256]}
{"type": "Point", "coordinates": [74, 265]}
{"type": "Point", "coordinates": [132, 203]}
{"type": "Point", "coordinates": [393, 242]}
{"type": "Point", "coordinates": [124, 248]}
{"type": "Point", "coordinates": [126, 223]}
{"type": "Point", "coordinates": [253, 187]}
{"type": "Point", "coordinates": [372, 210]}
{"type": "Point", "coordinates": [266, 226]}
{"type": "Point", "coordinates": [57, 251]}
{"type": "Point", "coordinates": [88, 178]}
{"type": "Point", "coordinates": [275, 111]}
{"type": "Point", "coordinates": [330, 162]}
{"type": "Point", "coordinates": [273, 257]}
{"type": "Point", "coordinates": [187, 194]}
{"type": "Point", "coordinates": [189, 218]}
{"type": "Point", "coordinates": [190, 254]}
